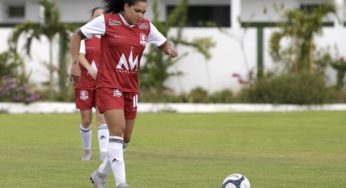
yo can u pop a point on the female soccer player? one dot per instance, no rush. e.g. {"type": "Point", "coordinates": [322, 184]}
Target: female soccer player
{"type": "Point", "coordinates": [85, 93]}
{"type": "Point", "coordinates": [124, 35]}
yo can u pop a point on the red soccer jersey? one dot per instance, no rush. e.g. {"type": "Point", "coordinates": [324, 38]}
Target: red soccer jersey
{"type": "Point", "coordinates": [122, 47]}
{"type": "Point", "coordinates": [92, 54]}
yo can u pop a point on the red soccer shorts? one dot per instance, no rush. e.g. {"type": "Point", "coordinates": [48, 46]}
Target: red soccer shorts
{"type": "Point", "coordinates": [111, 98]}
{"type": "Point", "coordinates": [85, 98]}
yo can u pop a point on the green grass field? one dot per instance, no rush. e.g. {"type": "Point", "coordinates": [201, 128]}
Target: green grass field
{"type": "Point", "coordinates": [169, 150]}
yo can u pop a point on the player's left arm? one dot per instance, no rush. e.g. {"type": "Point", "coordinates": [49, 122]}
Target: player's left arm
{"type": "Point", "coordinates": [156, 38]}
{"type": "Point", "coordinates": [168, 49]}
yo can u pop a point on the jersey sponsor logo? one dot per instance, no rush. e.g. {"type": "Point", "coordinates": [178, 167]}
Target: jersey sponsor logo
{"type": "Point", "coordinates": [117, 93]}
{"type": "Point", "coordinates": [119, 36]}
{"type": "Point", "coordinates": [113, 22]}
{"type": "Point", "coordinates": [143, 38]}
{"type": "Point", "coordinates": [83, 95]}
{"type": "Point", "coordinates": [130, 64]}
{"type": "Point", "coordinates": [143, 26]}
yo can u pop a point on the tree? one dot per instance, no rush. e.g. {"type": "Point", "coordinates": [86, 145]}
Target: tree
{"type": "Point", "coordinates": [299, 28]}
{"type": "Point", "coordinates": [154, 72]}
{"type": "Point", "coordinates": [50, 28]}
{"type": "Point", "coordinates": [11, 64]}
{"type": "Point", "coordinates": [340, 66]}
{"type": "Point", "coordinates": [14, 84]}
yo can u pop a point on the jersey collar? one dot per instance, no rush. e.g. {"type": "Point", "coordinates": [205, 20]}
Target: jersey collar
{"type": "Point", "coordinates": [123, 19]}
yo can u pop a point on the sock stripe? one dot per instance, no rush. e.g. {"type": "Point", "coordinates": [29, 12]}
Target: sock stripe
{"type": "Point", "coordinates": [116, 140]}
{"type": "Point", "coordinates": [102, 128]}
{"type": "Point", "coordinates": [85, 130]}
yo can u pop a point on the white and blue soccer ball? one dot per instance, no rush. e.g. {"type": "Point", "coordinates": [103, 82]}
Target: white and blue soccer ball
{"type": "Point", "coordinates": [236, 181]}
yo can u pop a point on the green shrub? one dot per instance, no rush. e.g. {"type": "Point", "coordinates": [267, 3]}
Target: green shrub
{"type": "Point", "coordinates": [156, 96]}
{"type": "Point", "coordinates": [300, 88]}
{"type": "Point", "coordinates": [198, 95]}
{"type": "Point", "coordinates": [223, 96]}
{"type": "Point", "coordinates": [340, 96]}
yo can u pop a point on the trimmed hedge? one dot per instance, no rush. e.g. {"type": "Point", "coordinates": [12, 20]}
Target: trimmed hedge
{"type": "Point", "coordinates": [302, 88]}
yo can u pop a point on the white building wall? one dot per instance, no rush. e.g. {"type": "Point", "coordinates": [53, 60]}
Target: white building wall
{"type": "Point", "coordinates": [214, 74]}
{"type": "Point", "coordinates": [227, 58]}
{"type": "Point", "coordinates": [2, 12]}
{"type": "Point", "coordinates": [77, 10]}
{"type": "Point", "coordinates": [344, 10]}
{"type": "Point", "coordinates": [32, 11]}
{"type": "Point", "coordinates": [269, 10]}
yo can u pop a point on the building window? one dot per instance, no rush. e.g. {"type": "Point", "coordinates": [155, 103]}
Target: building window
{"type": "Point", "coordinates": [308, 8]}
{"type": "Point", "coordinates": [15, 11]}
{"type": "Point", "coordinates": [206, 15]}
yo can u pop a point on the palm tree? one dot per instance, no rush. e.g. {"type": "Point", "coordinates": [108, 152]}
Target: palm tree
{"type": "Point", "coordinates": [49, 28]}
{"type": "Point", "coordinates": [300, 28]}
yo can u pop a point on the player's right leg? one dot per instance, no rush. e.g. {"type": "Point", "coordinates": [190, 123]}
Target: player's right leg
{"type": "Point", "coordinates": [84, 99]}
{"type": "Point", "coordinates": [102, 134]}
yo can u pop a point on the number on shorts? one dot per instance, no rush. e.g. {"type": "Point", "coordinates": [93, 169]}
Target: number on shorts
{"type": "Point", "coordinates": [135, 101]}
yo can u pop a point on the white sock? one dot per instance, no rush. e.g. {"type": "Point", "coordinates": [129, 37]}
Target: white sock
{"type": "Point", "coordinates": [103, 137]}
{"type": "Point", "coordinates": [105, 167]}
{"type": "Point", "coordinates": [116, 159]}
{"type": "Point", "coordinates": [85, 134]}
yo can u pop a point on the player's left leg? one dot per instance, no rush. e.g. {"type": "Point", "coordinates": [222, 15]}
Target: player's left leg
{"type": "Point", "coordinates": [131, 103]}
{"type": "Point", "coordinates": [128, 132]}
{"type": "Point", "coordinates": [102, 134]}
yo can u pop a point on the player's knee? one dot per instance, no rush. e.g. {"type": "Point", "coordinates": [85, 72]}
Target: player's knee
{"type": "Point", "coordinates": [100, 121]}
{"type": "Point", "coordinates": [86, 123]}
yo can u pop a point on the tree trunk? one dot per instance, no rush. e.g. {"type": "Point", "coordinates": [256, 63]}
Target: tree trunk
{"type": "Point", "coordinates": [51, 71]}
{"type": "Point", "coordinates": [62, 69]}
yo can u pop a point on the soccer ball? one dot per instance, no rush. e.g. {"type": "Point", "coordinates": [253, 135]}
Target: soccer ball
{"type": "Point", "coordinates": [236, 181]}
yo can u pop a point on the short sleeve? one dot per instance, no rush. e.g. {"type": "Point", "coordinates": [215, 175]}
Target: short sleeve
{"type": "Point", "coordinates": [82, 47]}
{"type": "Point", "coordinates": [155, 37]}
{"type": "Point", "coordinates": [96, 26]}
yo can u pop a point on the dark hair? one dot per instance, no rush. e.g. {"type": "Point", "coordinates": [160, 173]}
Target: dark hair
{"type": "Point", "coordinates": [116, 6]}
{"type": "Point", "coordinates": [95, 9]}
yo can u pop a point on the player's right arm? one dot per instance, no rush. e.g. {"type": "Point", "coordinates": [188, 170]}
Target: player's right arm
{"type": "Point", "coordinates": [84, 62]}
{"type": "Point", "coordinates": [95, 27]}
{"type": "Point", "coordinates": [75, 45]}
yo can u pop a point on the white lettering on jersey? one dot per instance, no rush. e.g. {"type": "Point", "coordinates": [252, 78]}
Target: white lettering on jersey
{"type": "Point", "coordinates": [123, 63]}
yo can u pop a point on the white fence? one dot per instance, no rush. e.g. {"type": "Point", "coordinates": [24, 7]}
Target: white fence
{"type": "Point", "coordinates": [56, 107]}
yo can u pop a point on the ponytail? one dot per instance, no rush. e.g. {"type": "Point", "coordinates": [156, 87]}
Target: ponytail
{"type": "Point", "coordinates": [116, 6]}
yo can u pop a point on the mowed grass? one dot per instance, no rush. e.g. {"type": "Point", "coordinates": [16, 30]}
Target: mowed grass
{"type": "Point", "coordinates": [169, 150]}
